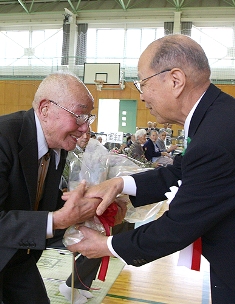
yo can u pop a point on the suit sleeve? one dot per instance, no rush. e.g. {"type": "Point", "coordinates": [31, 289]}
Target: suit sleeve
{"type": "Point", "coordinates": [208, 179]}
{"type": "Point", "coordinates": [21, 228]}
{"type": "Point", "coordinates": [153, 184]}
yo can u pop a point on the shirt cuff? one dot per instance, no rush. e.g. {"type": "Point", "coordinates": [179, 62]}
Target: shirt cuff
{"type": "Point", "coordinates": [129, 185]}
{"type": "Point", "coordinates": [110, 247]}
{"type": "Point", "coordinates": [50, 233]}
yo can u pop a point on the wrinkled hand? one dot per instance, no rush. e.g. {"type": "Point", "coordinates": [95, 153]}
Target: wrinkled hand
{"type": "Point", "coordinates": [76, 209]}
{"type": "Point", "coordinates": [172, 148]}
{"type": "Point", "coordinates": [93, 245]}
{"type": "Point", "coordinates": [107, 191]}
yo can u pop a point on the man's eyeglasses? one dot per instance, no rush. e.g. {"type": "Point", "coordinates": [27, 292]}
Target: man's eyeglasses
{"type": "Point", "coordinates": [80, 119]}
{"type": "Point", "coordinates": [137, 83]}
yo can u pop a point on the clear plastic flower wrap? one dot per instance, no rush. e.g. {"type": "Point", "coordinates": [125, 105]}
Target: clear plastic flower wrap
{"type": "Point", "coordinates": [121, 165]}
{"type": "Point", "coordinates": [142, 214]}
{"type": "Point", "coordinates": [92, 166]}
{"type": "Point", "coordinates": [96, 165]}
{"type": "Point", "coordinates": [73, 235]}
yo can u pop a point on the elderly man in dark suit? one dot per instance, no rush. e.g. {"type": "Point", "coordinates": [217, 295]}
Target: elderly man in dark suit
{"type": "Point", "coordinates": [60, 114]}
{"type": "Point", "coordinates": [151, 150]}
{"type": "Point", "coordinates": [175, 86]}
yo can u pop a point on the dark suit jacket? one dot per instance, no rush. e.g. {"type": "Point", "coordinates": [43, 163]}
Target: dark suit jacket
{"type": "Point", "coordinates": [20, 227]}
{"type": "Point", "coordinates": [149, 150]}
{"type": "Point", "coordinates": [204, 205]}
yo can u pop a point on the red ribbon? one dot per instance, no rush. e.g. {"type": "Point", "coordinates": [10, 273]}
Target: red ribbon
{"type": "Point", "coordinates": [107, 219]}
{"type": "Point", "coordinates": [196, 256]}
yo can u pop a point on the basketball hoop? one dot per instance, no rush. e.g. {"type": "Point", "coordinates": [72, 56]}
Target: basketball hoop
{"type": "Point", "coordinates": [99, 84]}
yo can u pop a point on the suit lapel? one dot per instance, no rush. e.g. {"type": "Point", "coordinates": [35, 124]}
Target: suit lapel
{"type": "Point", "coordinates": [29, 162]}
{"type": "Point", "coordinates": [206, 101]}
{"type": "Point", "coordinates": [29, 154]}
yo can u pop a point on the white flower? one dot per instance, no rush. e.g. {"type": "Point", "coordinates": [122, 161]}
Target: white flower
{"type": "Point", "coordinates": [170, 195]}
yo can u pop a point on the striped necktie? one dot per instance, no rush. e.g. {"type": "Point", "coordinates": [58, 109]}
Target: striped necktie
{"type": "Point", "coordinates": [42, 172]}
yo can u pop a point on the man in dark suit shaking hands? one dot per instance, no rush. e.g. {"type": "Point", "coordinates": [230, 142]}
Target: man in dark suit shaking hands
{"type": "Point", "coordinates": [174, 83]}
{"type": "Point", "coordinates": [60, 115]}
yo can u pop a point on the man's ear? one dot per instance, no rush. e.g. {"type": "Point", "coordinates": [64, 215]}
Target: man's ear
{"type": "Point", "coordinates": [178, 81]}
{"type": "Point", "coordinates": [43, 108]}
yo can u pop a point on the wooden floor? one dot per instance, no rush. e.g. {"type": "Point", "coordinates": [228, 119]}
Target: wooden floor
{"type": "Point", "coordinates": [161, 282]}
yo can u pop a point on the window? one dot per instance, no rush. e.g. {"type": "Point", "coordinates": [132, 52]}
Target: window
{"type": "Point", "coordinates": [119, 45]}
{"type": "Point", "coordinates": [22, 48]}
{"type": "Point", "coordinates": [218, 43]}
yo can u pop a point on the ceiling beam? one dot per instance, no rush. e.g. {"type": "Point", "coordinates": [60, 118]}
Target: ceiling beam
{"type": "Point", "coordinates": [232, 4]}
{"type": "Point", "coordinates": [31, 6]}
{"type": "Point", "coordinates": [123, 5]}
{"type": "Point", "coordinates": [78, 4]}
{"type": "Point", "coordinates": [177, 3]}
{"type": "Point", "coordinates": [23, 5]}
{"type": "Point", "coordinates": [73, 8]}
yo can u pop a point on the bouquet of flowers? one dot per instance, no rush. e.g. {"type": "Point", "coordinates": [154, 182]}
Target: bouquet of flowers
{"type": "Point", "coordinates": [95, 165]}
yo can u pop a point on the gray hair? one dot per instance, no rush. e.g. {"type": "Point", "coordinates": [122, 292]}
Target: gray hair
{"type": "Point", "coordinates": [153, 131]}
{"type": "Point", "coordinates": [162, 131]}
{"type": "Point", "coordinates": [139, 133]}
{"type": "Point", "coordinates": [180, 51]}
{"type": "Point", "coordinates": [55, 84]}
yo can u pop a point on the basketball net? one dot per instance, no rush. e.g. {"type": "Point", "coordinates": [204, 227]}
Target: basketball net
{"type": "Point", "coordinates": [99, 84]}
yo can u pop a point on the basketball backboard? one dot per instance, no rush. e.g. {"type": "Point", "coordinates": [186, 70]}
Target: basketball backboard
{"type": "Point", "coordinates": [108, 73]}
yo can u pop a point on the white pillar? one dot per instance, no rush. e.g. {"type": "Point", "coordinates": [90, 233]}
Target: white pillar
{"type": "Point", "coordinates": [72, 41]}
{"type": "Point", "coordinates": [177, 23]}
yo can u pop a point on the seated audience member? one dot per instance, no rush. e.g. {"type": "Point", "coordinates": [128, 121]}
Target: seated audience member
{"type": "Point", "coordinates": [166, 129]}
{"type": "Point", "coordinates": [161, 143]}
{"type": "Point", "coordinates": [169, 133]}
{"type": "Point", "coordinates": [99, 138]}
{"type": "Point", "coordinates": [149, 128]}
{"type": "Point", "coordinates": [151, 150]}
{"type": "Point", "coordinates": [136, 149]}
{"type": "Point", "coordinates": [155, 126]}
{"type": "Point", "coordinates": [112, 146]}
{"type": "Point", "coordinates": [130, 139]}
{"type": "Point", "coordinates": [80, 148]}
{"type": "Point", "coordinates": [93, 135]}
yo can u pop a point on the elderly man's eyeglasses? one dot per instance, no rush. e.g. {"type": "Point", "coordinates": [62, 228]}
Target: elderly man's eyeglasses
{"type": "Point", "coordinates": [80, 119]}
{"type": "Point", "coordinates": [137, 83]}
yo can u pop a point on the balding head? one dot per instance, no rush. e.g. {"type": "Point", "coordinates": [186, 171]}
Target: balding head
{"type": "Point", "coordinates": [179, 51]}
{"type": "Point", "coordinates": [174, 73]}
